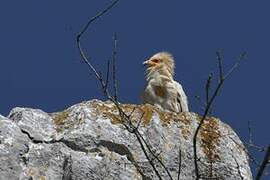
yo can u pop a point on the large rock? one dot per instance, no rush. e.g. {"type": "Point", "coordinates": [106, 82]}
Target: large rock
{"type": "Point", "coordinates": [88, 141]}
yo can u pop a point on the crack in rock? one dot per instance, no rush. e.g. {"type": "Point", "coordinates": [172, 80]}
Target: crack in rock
{"type": "Point", "coordinates": [69, 144]}
{"type": "Point", "coordinates": [23, 157]}
{"type": "Point", "coordinates": [72, 145]}
{"type": "Point", "coordinates": [121, 149]}
{"type": "Point", "coordinates": [67, 168]}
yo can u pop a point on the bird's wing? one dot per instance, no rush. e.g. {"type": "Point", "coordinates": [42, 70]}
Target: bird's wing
{"type": "Point", "coordinates": [181, 98]}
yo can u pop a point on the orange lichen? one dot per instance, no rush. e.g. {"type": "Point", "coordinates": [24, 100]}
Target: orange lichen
{"type": "Point", "coordinates": [210, 135]}
{"type": "Point", "coordinates": [42, 178]}
{"type": "Point", "coordinates": [185, 132]}
{"type": "Point", "coordinates": [143, 113]}
{"type": "Point", "coordinates": [60, 117]}
{"type": "Point", "coordinates": [31, 172]}
{"type": "Point", "coordinates": [136, 113]}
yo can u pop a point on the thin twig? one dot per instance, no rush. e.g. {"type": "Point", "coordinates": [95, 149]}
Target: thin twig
{"type": "Point", "coordinates": [207, 87]}
{"type": "Point", "coordinates": [139, 123]}
{"type": "Point", "coordinates": [249, 133]}
{"type": "Point", "coordinates": [107, 75]}
{"type": "Point", "coordinates": [125, 119]}
{"type": "Point", "coordinates": [179, 164]}
{"type": "Point", "coordinates": [139, 136]}
{"type": "Point", "coordinates": [141, 140]}
{"type": "Point", "coordinates": [156, 157]}
{"type": "Point", "coordinates": [264, 164]}
{"type": "Point", "coordinates": [147, 157]}
{"type": "Point", "coordinates": [114, 53]}
{"type": "Point", "coordinates": [220, 64]}
{"type": "Point", "coordinates": [98, 15]}
{"type": "Point", "coordinates": [133, 110]}
{"type": "Point", "coordinates": [201, 104]}
{"type": "Point", "coordinates": [238, 166]}
{"type": "Point", "coordinates": [82, 54]}
{"type": "Point", "coordinates": [250, 143]}
{"type": "Point", "coordinates": [246, 151]}
{"type": "Point", "coordinates": [222, 78]}
{"type": "Point", "coordinates": [242, 57]}
{"type": "Point", "coordinates": [258, 148]}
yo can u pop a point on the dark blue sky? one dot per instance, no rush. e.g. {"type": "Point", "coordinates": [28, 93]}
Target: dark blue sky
{"type": "Point", "coordinates": [41, 68]}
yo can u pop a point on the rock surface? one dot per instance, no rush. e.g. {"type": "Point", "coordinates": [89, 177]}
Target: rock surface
{"type": "Point", "coordinates": [87, 141]}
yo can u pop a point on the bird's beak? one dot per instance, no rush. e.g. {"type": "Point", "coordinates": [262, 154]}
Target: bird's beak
{"type": "Point", "coordinates": [148, 63]}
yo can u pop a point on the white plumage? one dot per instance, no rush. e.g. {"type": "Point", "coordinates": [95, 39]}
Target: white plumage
{"type": "Point", "coordinates": [161, 89]}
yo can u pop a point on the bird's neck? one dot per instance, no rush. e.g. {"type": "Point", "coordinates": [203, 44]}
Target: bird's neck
{"type": "Point", "coordinates": [158, 73]}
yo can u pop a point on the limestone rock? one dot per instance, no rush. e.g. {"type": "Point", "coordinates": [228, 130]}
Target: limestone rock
{"type": "Point", "coordinates": [88, 141]}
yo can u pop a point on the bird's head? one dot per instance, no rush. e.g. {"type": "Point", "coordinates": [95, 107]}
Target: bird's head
{"type": "Point", "coordinates": [159, 61]}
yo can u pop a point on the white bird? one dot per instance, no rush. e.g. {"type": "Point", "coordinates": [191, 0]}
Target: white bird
{"type": "Point", "coordinates": [161, 89]}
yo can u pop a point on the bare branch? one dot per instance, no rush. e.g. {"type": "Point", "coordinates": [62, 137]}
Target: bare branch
{"type": "Point", "coordinates": [207, 87]}
{"type": "Point", "coordinates": [139, 123]}
{"type": "Point", "coordinates": [250, 133]}
{"type": "Point", "coordinates": [107, 75]}
{"type": "Point", "coordinates": [220, 64]}
{"type": "Point", "coordinates": [131, 113]}
{"type": "Point", "coordinates": [130, 127]}
{"type": "Point", "coordinates": [241, 58]}
{"type": "Point", "coordinates": [125, 119]}
{"type": "Point", "coordinates": [82, 54]}
{"type": "Point", "coordinates": [253, 160]}
{"type": "Point", "coordinates": [98, 15]}
{"type": "Point", "coordinates": [114, 53]}
{"type": "Point", "coordinates": [238, 166]}
{"type": "Point", "coordinates": [146, 155]}
{"type": "Point", "coordinates": [265, 162]}
{"type": "Point", "coordinates": [156, 157]}
{"type": "Point", "coordinates": [210, 102]}
{"type": "Point", "coordinates": [258, 148]}
{"type": "Point", "coordinates": [250, 143]}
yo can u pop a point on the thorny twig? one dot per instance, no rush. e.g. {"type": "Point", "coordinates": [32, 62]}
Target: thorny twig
{"type": "Point", "coordinates": [210, 100]}
{"type": "Point", "coordinates": [125, 119]}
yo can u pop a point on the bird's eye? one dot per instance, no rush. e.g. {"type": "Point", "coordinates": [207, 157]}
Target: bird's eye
{"type": "Point", "coordinates": [155, 60]}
